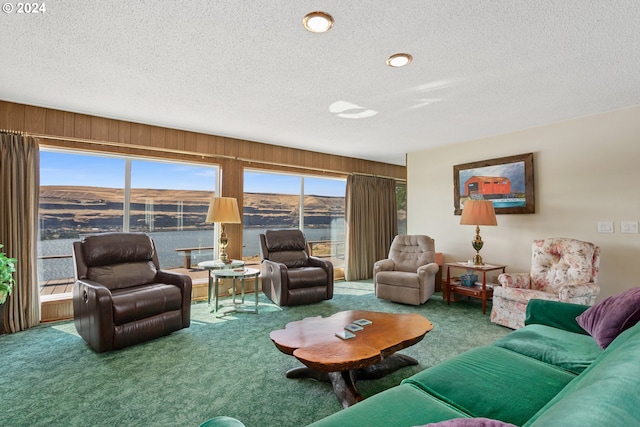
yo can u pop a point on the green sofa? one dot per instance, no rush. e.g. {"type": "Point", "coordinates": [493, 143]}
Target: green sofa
{"type": "Point", "coordinates": [549, 373]}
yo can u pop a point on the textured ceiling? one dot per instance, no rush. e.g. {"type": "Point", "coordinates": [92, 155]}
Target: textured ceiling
{"type": "Point", "coordinates": [248, 69]}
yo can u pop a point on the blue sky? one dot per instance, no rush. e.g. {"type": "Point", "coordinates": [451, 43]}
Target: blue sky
{"type": "Point", "coordinates": [264, 182]}
{"type": "Point", "coordinates": [61, 168]}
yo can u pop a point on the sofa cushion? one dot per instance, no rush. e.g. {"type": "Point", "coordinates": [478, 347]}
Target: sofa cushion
{"type": "Point", "coordinates": [401, 406]}
{"type": "Point", "coordinates": [567, 350]}
{"type": "Point", "coordinates": [140, 302]}
{"type": "Point", "coordinates": [605, 394]}
{"type": "Point", "coordinates": [470, 422]}
{"type": "Point", "coordinates": [607, 319]}
{"type": "Point", "coordinates": [556, 314]}
{"type": "Point", "coordinates": [466, 380]}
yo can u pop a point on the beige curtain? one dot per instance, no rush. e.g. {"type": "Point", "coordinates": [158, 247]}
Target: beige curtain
{"type": "Point", "coordinates": [371, 223]}
{"type": "Point", "coordinates": [19, 190]}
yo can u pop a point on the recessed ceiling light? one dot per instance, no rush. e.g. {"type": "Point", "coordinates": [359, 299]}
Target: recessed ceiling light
{"type": "Point", "coordinates": [399, 60]}
{"type": "Point", "coordinates": [317, 22]}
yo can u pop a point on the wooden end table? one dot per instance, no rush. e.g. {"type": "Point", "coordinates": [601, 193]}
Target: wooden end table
{"type": "Point", "coordinates": [474, 291]}
{"type": "Point", "coordinates": [370, 355]}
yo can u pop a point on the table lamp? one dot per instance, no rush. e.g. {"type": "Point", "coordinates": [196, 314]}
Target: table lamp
{"type": "Point", "coordinates": [478, 212]}
{"type": "Point", "coordinates": [223, 210]}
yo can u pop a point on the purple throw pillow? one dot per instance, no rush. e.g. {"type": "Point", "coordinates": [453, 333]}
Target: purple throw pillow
{"type": "Point", "coordinates": [609, 318]}
{"type": "Point", "coordinates": [470, 422]}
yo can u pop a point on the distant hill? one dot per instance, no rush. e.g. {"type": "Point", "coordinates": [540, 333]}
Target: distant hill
{"type": "Point", "coordinates": [66, 211]}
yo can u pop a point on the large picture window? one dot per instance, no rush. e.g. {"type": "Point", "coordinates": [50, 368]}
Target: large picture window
{"type": "Point", "coordinates": [313, 204]}
{"type": "Point", "coordinates": [82, 194]}
{"type": "Point", "coordinates": [169, 201]}
{"type": "Point", "coordinates": [323, 217]}
{"type": "Point", "coordinates": [79, 194]}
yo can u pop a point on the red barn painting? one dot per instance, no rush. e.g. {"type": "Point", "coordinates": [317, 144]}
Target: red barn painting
{"type": "Point", "coordinates": [490, 187]}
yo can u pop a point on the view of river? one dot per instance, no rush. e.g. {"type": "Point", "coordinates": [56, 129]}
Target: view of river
{"type": "Point", "coordinates": [509, 203]}
{"type": "Point", "coordinates": [166, 243]}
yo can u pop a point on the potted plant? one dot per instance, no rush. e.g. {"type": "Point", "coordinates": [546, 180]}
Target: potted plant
{"type": "Point", "coordinates": [7, 268]}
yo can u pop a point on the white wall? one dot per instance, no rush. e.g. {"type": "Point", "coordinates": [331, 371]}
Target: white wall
{"type": "Point", "coordinates": [585, 170]}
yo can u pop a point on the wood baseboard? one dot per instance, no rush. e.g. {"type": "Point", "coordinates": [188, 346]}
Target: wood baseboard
{"type": "Point", "coordinates": [56, 308]}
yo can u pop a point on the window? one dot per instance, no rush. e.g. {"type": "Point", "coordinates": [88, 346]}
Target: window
{"type": "Point", "coordinates": [401, 206]}
{"type": "Point", "coordinates": [79, 194]}
{"type": "Point", "coordinates": [271, 201]}
{"type": "Point", "coordinates": [323, 217]}
{"type": "Point", "coordinates": [276, 200]}
{"type": "Point", "coordinates": [169, 201]}
{"type": "Point", "coordinates": [82, 194]}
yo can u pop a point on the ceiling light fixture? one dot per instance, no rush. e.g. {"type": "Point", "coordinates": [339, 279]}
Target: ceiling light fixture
{"type": "Point", "coordinates": [399, 60]}
{"type": "Point", "coordinates": [317, 22]}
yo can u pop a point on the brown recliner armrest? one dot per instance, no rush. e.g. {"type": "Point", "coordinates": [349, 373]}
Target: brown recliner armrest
{"type": "Point", "coordinates": [93, 314]}
{"type": "Point", "coordinates": [328, 267]}
{"type": "Point", "coordinates": [319, 262]}
{"type": "Point", "coordinates": [274, 278]}
{"type": "Point", "coordinates": [184, 282]}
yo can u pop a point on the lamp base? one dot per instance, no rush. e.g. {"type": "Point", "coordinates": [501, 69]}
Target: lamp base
{"type": "Point", "coordinates": [477, 260]}
{"type": "Point", "coordinates": [477, 244]}
{"type": "Point", "coordinates": [223, 243]}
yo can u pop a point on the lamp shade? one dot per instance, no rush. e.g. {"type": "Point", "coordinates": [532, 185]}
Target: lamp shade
{"type": "Point", "coordinates": [478, 212]}
{"type": "Point", "coordinates": [223, 210]}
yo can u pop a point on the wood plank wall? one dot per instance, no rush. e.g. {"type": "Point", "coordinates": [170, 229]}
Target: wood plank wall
{"type": "Point", "coordinates": [90, 133]}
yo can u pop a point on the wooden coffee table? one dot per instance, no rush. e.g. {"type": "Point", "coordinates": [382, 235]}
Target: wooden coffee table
{"type": "Point", "coordinates": [370, 355]}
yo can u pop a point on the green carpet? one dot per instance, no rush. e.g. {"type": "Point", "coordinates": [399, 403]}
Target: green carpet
{"type": "Point", "coordinates": [229, 366]}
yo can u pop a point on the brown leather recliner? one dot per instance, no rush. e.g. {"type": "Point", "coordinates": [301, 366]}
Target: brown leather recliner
{"type": "Point", "coordinates": [289, 275]}
{"type": "Point", "coordinates": [121, 297]}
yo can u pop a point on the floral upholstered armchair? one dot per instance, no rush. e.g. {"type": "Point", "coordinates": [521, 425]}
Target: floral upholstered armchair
{"type": "Point", "coordinates": [562, 269]}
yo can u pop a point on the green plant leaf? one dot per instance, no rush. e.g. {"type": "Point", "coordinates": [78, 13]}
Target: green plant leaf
{"type": "Point", "coordinates": [7, 268]}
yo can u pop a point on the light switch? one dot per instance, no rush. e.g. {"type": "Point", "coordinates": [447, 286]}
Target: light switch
{"type": "Point", "coordinates": [605, 226]}
{"type": "Point", "coordinates": [629, 227]}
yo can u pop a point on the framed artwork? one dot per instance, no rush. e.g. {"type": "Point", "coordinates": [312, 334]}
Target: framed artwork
{"type": "Point", "coordinates": [507, 182]}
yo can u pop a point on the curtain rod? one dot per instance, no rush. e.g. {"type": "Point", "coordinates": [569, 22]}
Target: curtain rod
{"type": "Point", "coordinates": [125, 145]}
{"type": "Point", "coordinates": [249, 161]}
{"type": "Point", "coordinates": [377, 176]}
{"type": "Point", "coordinates": [184, 152]}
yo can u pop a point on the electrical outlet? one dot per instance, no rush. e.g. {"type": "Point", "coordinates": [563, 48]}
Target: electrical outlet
{"type": "Point", "coordinates": [605, 226]}
{"type": "Point", "coordinates": [629, 227]}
